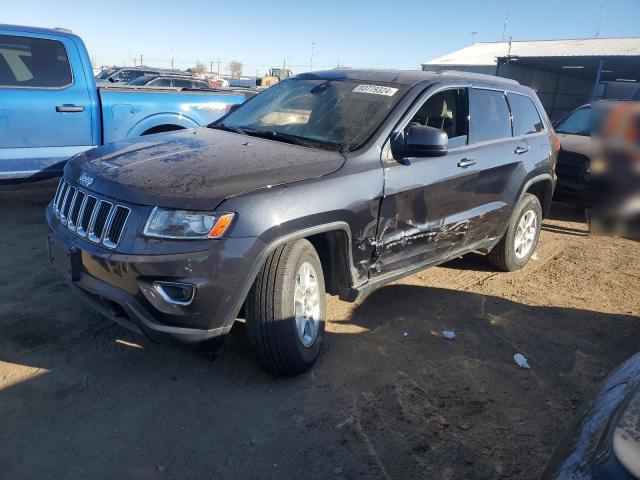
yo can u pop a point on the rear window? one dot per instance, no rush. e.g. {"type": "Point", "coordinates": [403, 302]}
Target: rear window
{"type": "Point", "coordinates": [525, 115]}
{"type": "Point", "coordinates": [489, 116]}
{"type": "Point", "coordinates": [33, 62]}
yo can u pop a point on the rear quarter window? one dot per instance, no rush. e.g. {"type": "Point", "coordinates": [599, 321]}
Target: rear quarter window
{"type": "Point", "coordinates": [33, 62]}
{"type": "Point", "coordinates": [489, 116]}
{"type": "Point", "coordinates": [526, 118]}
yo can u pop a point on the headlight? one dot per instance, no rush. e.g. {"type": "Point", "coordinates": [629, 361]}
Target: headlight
{"type": "Point", "coordinates": [167, 223]}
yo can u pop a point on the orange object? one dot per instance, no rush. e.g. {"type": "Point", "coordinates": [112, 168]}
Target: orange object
{"type": "Point", "coordinates": [221, 225]}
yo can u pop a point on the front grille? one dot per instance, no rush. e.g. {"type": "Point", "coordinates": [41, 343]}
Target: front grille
{"type": "Point", "coordinates": [99, 220]}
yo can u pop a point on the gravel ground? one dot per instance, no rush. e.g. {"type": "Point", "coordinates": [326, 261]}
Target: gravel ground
{"type": "Point", "coordinates": [389, 398]}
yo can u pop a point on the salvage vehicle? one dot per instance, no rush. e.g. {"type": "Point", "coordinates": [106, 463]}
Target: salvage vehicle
{"type": "Point", "coordinates": [169, 81]}
{"type": "Point", "coordinates": [128, 74]}
{"type": "Point", "coordinates": [51, 109]}
{"type": "Point", "coordinates": [602, 444]}
{"type": "Point", "coordinates": [332, 182]}
{"type": "Point", "coordinates": [574, 159]}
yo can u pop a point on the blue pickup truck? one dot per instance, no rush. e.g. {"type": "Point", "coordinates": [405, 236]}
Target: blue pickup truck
{"type": "Point", "coordinates": [51, 108]}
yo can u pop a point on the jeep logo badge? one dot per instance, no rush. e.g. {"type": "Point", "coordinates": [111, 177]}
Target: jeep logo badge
{"type": "Point", "coordinates": [86, 179]}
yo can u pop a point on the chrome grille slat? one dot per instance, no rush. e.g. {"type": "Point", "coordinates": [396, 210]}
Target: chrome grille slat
{"type": "Point", "coordinates": [89, 216]}
{"type": "Point", "coordinates": [102, 211]}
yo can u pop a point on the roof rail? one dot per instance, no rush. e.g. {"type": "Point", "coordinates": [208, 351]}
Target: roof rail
{"type": "Point", "coordinates": [63, 30]}
{"type": "Point", "coordinates": [479, 76]}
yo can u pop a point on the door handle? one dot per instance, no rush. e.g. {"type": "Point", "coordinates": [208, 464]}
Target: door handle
{"type": "Point", "coordinates": [69, 108]}
{"type": "Point", "coordinates": [466, 162]}
{"type": "Point", "coordinates": [520, 150]}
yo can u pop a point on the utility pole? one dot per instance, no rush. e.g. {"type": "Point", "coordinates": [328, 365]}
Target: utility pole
{"type": "Point", "coordinates": [218, 68]}
{"type": "Point", "coordinates": [313, 44]}
{"type": "Point", "coordinates": [211, 67]}
{"type": "Point", "coordinates": [172, 59]}
{"type": "Point", "coordinates": [599, 21]}
{"type": "Point", "coordinates": [141, 60]}
{"type": "Point", "coordinates": [473, 37]}
{"type": "Point", "coordinates": [504, 27]}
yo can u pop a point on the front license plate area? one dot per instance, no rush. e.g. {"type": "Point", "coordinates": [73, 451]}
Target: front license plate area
{"type": "Point", "coordinates": [64, 259]}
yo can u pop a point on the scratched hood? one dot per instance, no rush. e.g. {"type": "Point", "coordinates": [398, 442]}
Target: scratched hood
{"type": "Point", "coordinates": [196, 169]}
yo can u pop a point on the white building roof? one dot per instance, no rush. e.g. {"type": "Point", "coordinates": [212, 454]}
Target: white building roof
{"type": "Point", "coordinates": [487, 52]}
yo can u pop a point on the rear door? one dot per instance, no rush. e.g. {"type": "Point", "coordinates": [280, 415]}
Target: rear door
{"type": "Point", "coordinates": [499, 158]}
{"type": "Point", "coordinates": [428, 202]}
{"type": "Point", "coordinates": [45, 111]}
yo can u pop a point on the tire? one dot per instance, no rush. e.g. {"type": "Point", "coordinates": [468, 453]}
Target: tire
{"type": "Point", "coordinates": [271, 307]}
{"type": "Point", "coordinates": [506, 255]}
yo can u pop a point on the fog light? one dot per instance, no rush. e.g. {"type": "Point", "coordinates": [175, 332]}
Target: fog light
{"type": "Point", "coordinates": [176, 293]}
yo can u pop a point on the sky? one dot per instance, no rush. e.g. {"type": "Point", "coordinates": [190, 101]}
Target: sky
{"type": "Point", "coordinates": [307, 34]}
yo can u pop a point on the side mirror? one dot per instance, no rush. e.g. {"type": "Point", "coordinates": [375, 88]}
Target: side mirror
{"type": "Point", "coordinates": [420, 141]}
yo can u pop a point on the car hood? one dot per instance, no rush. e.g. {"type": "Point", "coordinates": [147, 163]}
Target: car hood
{"type": "Point", "coordinates": [575, 144]}
{"type": "Point", "coordinates": [195, 169]}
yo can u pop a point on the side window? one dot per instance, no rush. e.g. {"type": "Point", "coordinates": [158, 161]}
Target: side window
{"type": "Point", "coordinates": [33, 62]}
{"type": "Point", "coordinates": [180, 83]}
{"type": "Point", "coordinates": [446, 110]}
{"type": "Point", "coordinates": [526, 118]}
{"type": "Point", "coordinates": [161, 82]}
{"type": "Point", "coordinates": [489, 116]}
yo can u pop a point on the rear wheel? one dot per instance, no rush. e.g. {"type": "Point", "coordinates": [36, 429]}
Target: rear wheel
{"type": "Point", "coordinates": [286, 309]}
{"type": "Point", "coordinates": [519, 242]}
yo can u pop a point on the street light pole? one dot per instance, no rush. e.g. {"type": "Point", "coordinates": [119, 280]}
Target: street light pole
{"type": "Point", "coordinates": [313, 44]}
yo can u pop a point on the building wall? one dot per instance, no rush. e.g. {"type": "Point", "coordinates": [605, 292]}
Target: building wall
{"type": "Point", "coordinates": [559, 93]}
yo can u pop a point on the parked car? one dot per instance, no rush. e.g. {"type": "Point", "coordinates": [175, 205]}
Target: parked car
{"type": "Point", "coordinates": [170, 81]}
{"type": "Point", "coordinates": [339, 181]}
{"type": "Point", "coordinates": [126, 75]}
{"type": "Point", "coordinates": [602, 444]}
{"type": "Point", "coordinates": [51, 109]}
{"type": "Point", "coordinates": [574, 159]}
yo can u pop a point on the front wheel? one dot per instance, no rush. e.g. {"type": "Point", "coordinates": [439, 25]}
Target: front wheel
{"type": "Point", "coordinates": [286, 309]}
{"type": "Point", "coordinates": [519, 242]}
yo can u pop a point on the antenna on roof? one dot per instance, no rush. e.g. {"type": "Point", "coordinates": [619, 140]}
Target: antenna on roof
{"type": "Point", "coordinates": [599, 21]}
{"type": "Point", "coordinates": [504, 27]}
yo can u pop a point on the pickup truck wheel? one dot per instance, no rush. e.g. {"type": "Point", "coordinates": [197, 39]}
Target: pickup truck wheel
{"type": "Point", "coordinates": [286, 309]}
{"type": "Point", "coordinates": [519, 242]}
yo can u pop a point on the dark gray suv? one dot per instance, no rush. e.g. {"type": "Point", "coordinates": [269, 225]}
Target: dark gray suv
{"type": "Point", "coordinates": [331, 182]}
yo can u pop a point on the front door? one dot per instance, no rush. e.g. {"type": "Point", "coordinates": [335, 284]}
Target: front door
{"type": "Point", "coordinates": [428, 202]}
{"type": "Point", "coordinates": [45, 113]}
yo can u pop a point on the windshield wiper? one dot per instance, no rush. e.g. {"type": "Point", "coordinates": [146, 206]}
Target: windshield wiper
{"type": "Point", "coordinates": [227, 128]}
{"type": "Point", "coordinates": [293, 139]}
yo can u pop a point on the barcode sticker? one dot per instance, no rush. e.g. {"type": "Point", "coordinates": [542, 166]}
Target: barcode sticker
{"type": "Point", "coordinates": [376, 90]}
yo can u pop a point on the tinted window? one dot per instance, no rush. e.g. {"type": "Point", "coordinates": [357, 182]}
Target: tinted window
{"type": "Point", "coordinates": [33, 62]}
{"type": "Point", "coordinates": [577, 123]}
{"type": "Point", "coordinates": [177, 82]}
{"type": "Point", "coordinates": [128, 75]}
{"type": "Point", "coordinates": [201, 85]}
{"type": "Point", "coordinates": [161, 82]}
{"type": "Point", "coordinates": [142, 80]}
{"type": "Point", "coordinates": [525, 115]}
{"type": "Point", "coordinates": [489, 116]}
{"type": "Point", "coordinates": [446, 111]}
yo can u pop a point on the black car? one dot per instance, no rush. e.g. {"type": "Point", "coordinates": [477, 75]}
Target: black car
{"type": "Point", "coordinates": [169, 81]}
{"type": "Point", "coordinates": [339, 182]}
{"type": "Point", "coordinates": [574, 159]}
{"type": "Point", "coordinates": [604, 442]}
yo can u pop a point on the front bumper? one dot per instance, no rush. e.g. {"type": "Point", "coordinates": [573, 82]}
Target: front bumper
{"type": "Point", "coordinates": [120, 286]}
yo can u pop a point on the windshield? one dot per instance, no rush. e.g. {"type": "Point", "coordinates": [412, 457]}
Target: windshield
{"type": "Point", "coordinates": [577, 123]}
{"type": "Point", "coordinates": [334, 114]}
{"type": "Point", "coordinates": [105, 73]}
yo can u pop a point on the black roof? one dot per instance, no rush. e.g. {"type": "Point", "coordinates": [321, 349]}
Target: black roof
{"type": "Point", "coordinates": [402, 77]}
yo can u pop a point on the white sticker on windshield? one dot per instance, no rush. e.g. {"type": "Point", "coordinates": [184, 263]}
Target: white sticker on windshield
{"type": "Point", "coordinates": [376, 90]}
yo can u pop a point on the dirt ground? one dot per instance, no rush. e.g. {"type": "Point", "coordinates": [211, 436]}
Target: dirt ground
{"type": "Point", "coordinates": [389, 398]}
